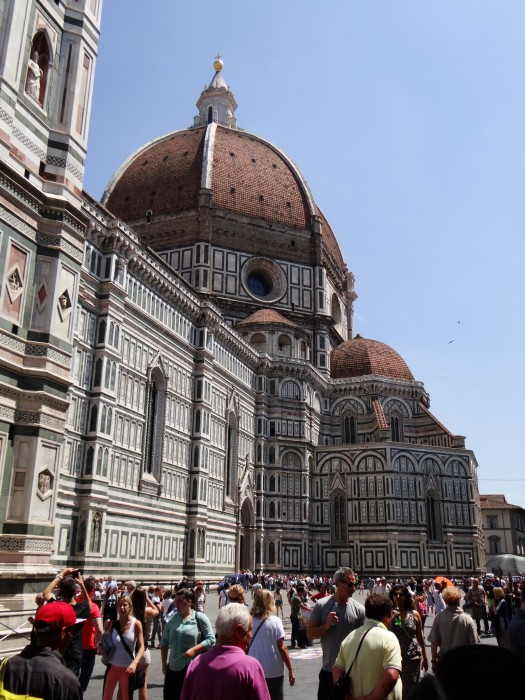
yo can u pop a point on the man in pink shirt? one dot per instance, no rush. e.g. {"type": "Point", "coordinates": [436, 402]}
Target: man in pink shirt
{"type": "Point", "coordinates": [225, 671]}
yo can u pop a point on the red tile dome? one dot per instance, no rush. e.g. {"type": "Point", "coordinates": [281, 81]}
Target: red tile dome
{"type": "Point", "coordinates": [242, 174]}
{"type": "Point", "coordinates": [248, 176]}
{"type": "Point", "coordinates": [360, 357]}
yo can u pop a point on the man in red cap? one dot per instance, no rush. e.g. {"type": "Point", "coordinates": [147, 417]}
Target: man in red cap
{"type": "Point", "coordinates": [39, 670]}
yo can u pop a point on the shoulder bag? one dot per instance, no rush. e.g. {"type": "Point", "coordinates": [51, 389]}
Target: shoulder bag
{"type": "Point", "coordinates": [138, 680]}
{"type": "Point", "coordinates": [343, 687]}
{"type": "Point", "coordinates": [105, 646]}
{"type": "Point", "coordinates": [256, 633]}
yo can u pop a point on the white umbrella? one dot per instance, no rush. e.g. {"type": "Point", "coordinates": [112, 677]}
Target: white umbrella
{"type": "Point", "coordinates": [506, 563]}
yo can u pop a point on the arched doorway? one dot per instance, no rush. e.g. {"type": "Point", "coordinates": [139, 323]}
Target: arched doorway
{"type": "Point", "coordinates": [246, 537]}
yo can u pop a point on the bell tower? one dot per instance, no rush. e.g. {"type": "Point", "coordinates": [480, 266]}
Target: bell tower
{"type": "Point", "coordinates": [47, 61]}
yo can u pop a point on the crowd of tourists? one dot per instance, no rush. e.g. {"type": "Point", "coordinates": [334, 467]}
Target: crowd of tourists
{"type": "Point", "coordinates": [377, 650]}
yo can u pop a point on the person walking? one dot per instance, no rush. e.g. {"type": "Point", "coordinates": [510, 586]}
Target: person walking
{"type": "Point", "coordinates": [39, 670]}
{"type": "Point", "coordinates": [476, 599]}
{"type": "Point", "coordinates": [186, 635]}
{"type": "Point", "coordinates": [500, 620]}
{"type": "Point", "coordinates": [268, 644]}
{"type": "Point", "coordinates": [332, 620]}
{"type": "Point", "coordinates": [452, 627]}
{"type": "Point", "coordinates": [408, 628]}
{"type": "Point", "coordinates": [278, 597]}
{"type": "Point", "coordinates": [144, 610]}
{"type": "Point", "coordinates": [227, 672]}
{"type": "Point", "coordinates": [126, 635]}
{"type": "Point", "coordinates": [296, 601]}
{"type": "Point", "coordinates": [372, 655]}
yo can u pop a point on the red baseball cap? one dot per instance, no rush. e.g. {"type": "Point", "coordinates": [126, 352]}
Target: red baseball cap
{"type": "Point", "coordinates": [54, 616]}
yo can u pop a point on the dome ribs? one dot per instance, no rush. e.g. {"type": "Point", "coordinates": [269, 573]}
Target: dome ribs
{"type": "Point", "coordinates": [170, 167]}
{"type": "Point", "coordinates": [251, 179]}
{"type": "Point", "coordinates": [361, 357]}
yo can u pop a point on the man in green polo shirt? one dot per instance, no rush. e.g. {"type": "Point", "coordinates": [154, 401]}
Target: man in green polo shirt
{"type": "Point", "coordinates": [377, 669]}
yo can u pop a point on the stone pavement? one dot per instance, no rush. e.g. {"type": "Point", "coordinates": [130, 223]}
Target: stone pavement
{"type": "Point", "coordinates": [305, 662]}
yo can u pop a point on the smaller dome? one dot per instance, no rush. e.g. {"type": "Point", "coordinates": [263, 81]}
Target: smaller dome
{"type": "Point", "coordinates": [265, 317]}
{"type": "Point", "coordinates": [360, 357]}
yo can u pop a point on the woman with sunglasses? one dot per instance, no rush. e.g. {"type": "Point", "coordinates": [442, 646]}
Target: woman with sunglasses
{"type": "Point", "coordinates": [407, 626]}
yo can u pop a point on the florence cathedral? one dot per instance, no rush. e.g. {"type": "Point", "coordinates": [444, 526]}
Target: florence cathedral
{"type": "Point", "coordinates": [181, 389]}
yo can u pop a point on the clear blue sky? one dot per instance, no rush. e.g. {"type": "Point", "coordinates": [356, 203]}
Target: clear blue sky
{"type": "Point", "coordinates": [408, 121]}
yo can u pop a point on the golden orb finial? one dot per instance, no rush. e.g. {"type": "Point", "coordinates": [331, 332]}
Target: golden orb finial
{"type": "Point", "coordinates": [218, 64]}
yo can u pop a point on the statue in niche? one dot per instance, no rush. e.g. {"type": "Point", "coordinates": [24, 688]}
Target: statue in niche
{"type": "Point", "coordinates": [34, 73]}
{"type": "Point", "coordinates": [63, 300]}
{"type": "Point", "coordinates": [44, 483]}
{"type": "Point", "coordinates": [14, 282]}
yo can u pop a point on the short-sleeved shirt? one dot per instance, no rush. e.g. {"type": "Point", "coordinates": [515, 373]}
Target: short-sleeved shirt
{"type": "Point", "coordinates": [351, 616]}
{"type": "Point", "coordinates": [452, 628]}
{"type": "Point", "coordinates": [88, 630]}
{"type": "Point", "coordinates": [180, 635]}
{"type": "Point", "coordinates": [225, 673]}
{"type": "Point", "coordinates": [264, 645]}
{"type": "Point", "coordinates": [295, 607]}
{"type": "Point", "coordinates": [475, 596]}
{"type": "Point", "coordinates": [380, 650]}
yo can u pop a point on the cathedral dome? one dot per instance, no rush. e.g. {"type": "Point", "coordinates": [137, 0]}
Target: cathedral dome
{"type": "Point", "coordinates": [360, 357]}
{"type": "Point", "coordinates": [215, 166]}
{"type": "Point", "coordinates": [246, 175]}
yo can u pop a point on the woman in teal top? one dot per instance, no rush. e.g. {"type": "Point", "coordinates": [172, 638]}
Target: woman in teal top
{"type": "Point", "coordinates": [186, 635]}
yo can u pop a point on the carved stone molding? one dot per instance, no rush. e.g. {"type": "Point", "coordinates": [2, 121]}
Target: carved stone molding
{"type": "Point", "coordinates": [26, 544]}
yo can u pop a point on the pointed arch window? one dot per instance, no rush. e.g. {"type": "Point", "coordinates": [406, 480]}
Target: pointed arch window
{"type": "Point", "coordinates": [101, 337]}
{"type": "Point", "coordinates": [396, 427]}
{"type": "Point", "coordinates": [154, 423]}
{"type": "Point", "coordinates": [95, 536]}
{"type": "Point", "coordinates": [97, 378]}
{"type": "Point", "coordinates": [271, 553]}
{"type": "Point", "coordinates": [93, 419]}
{"type": "Point", "coordinates": [90, 455]}
{"type": "Point", "coordinates": [433, 518]}
{"type": "Point", "coordinates": [271, 512]}
{"type": "Point", "coordinates": [201, 543]}
{"type": "Point", "coordinates": [82, 529]}
{"type": "Point", "coordinates": [338, 517]}
{"type": "Point", "coordinates": [231, 454]}
{"type": "Point", "coordinates": [349, 430]}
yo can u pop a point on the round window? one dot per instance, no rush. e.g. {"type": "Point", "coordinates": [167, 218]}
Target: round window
{"type": "Point", "coordinates": [259, 285]}
{"type": "Point", "coordinates": [263, 279]}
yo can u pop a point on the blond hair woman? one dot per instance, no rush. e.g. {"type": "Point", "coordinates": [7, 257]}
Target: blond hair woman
{"type": "Point", "coordinates": [500, 620]}
{"type": "Point", "coordinates": [268, 644]}
{"type": "Point", "coordinates": [125, 632]}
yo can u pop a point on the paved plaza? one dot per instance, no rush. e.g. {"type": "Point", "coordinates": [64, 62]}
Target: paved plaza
{"type": "Point", "coordinates": [305, 662]}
